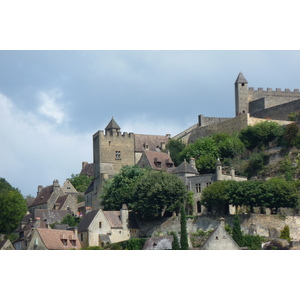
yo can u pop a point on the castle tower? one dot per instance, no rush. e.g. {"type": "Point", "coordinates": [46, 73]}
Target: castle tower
{"type": "Point", "coordinates": [241, 95]}
{"type": "Point", "coordinates": [112, 127]}
{"type": "Point", "coordinates": [219, 170]}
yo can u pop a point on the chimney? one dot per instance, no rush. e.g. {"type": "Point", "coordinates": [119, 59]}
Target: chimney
{"type": "Point", "coordinates": [232, 172]}
{"type": "Point", "coordinates": [222, 222]}
{"type": "Point", "coordinates": [124, 214]}
{"type": "Point", "coordinates": [75, 229]}
{"type": "Point", "coordinates": [84, 164]}
{"type": "Point", "coordinates": [192, 163]}
{"type": "Point", "coordinates": [40, 187]}
{"type": "Point", "coordinates": [56, 185]}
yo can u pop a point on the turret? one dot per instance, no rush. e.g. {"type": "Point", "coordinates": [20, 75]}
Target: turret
{"type": "Point", "coordinates": [219, 170]}
{"type": "Point", "coordinates": [124, 216]}
{"type": "Point", "coordinates": [112, 127]}
{"type": "Point", "coordinates": [241, 95]}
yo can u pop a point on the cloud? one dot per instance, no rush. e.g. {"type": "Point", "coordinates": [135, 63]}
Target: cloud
{"type": "Point", "coordinates": [50, 107]}
{"type": "Point", "coordinates": [35, 151]}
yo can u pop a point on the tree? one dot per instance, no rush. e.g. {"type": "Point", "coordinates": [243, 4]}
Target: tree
{"type": "Point", "coordinates": [72, 221]}
{"type": "Point", "coordinates": [176, 147]}
{"type": "Point", "coordinates": [175, 243]}
{"type": "Point", "coordinates": [12, 207]}
{"type": "Point", "coordinates": [80, 182]}
{"type": "Point", "coordinates": [120, 188]}
{"type": "Point", "coordinates": [183, 233]}
{"type": "Point", "coordinates": [156, 193]}
{"type": "Point", "coordinates": [237, 234]}
{"type": "Point", "coordinates": [291, 133]}
{"type": "Point", "coordinates": [285, 233]}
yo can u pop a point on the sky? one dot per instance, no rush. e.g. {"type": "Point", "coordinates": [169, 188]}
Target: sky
{"type": "Point", "coordinates": [52, 102]}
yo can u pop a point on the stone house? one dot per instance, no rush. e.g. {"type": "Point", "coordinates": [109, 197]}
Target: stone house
{"type": "Point", "coordinates": [52, 239]}
{"type": "Point", "coordinates": [196, 182]}
{"type": "Point", "coordinates": [220, 239]}
{"type": "Point", "coordinates": [55, 197]}
{"type": "Point", "coordinates": [5, 244]}
{"type": "Point", "coordinates": [156, 161]}
{"type": "Point", "coordinates": [40, 218]}
{"type": "Point", "coordinates": [99, 227]}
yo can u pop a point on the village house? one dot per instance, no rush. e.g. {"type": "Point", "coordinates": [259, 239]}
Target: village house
{"type": "Point", "coordinates": [99, 227]}
{"type": "Point", "coordinates": [52, 239]}
{"type": "Point", "coordinates": [5, 244]}
{"type": "Point", "coordinates": [220, 239]}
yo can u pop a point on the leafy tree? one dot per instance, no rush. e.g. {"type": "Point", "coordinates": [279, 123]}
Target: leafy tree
{"type": "Point", "coordinates": [291, 133]}
{"type": "Point", "coordinates": [12, 207]}
{"type": "Point", "coordinates": [80, 182]}
{"type": "Point", "coordinates": [237, 234]}
{"type": "Point", "coordinates": [261, 134]}
{"type": "Point", "coordinates": [285, 233]}
{"type": "Point", "coordinates": [175, 243]}
{"type": "Point", "coordinates": [120, 189]}
{"type": "Point", "coordinates": [252, 242]}
{"type": "Point", "coordinates": [256, 163]}
{"type": "Point", "coordinates": [176, 147]}
{"type": "Point", "coordinates": [183, 233]}
{"type": "Point", "coordinates": [157, 192]}
{"type": "Point", "coordinates": [72, 221]}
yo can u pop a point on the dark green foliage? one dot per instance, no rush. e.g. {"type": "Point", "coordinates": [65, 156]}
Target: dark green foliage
{"type": "Point", "coordinates": [12, 207]}
{"type": "Point", "coordinates": [175, 243]}
{"type": "Point", "coordinates": [157, 193]}
{"type": "Point", "coordinates": [92, 248]}
{"type": "Point", "coordinates": [183, 232]}
{"type": "Point", "coordinates": [287, 169]}
{"type": "Point", "coordinates": [256, 163]}
{"type": "Point", "coordinates": [176, 147]}
{"type": "Point", "coordinates": [285, 233]}
{"type": "Point", "coordinates": [261, 134]}
{"type": "Point", "coordinates": [72, 221]}
{"type": "Point", "coordinates": [237, 234]}
{"type": "Point", "coordinates": [120, 189]}
{"type": "Point", "coordinates": [80, 182]}
{"type": "Point", "coordinates": [291, 133]}
{"type": "Point", "coordinates": [252, 242]}
{"type": "Point", "coordinates": [132, 244]}
{"type": "Point", "coordinates": [294, 116]}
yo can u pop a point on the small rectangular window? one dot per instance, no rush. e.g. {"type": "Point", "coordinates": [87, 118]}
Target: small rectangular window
{"type": "Point", "coordinates": [118, 154]}
{"type": "Point", "coordinates": [100, 224]}
{"type": "Point", "coordinates": [198, 188]}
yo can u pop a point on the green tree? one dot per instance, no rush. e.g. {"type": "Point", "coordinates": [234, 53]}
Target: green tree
{"type": "Point", "coordinates": [237, 234]}
{"type": "Point", "coordinates": [120, 188]}
{"type": "Point", "coordinates": [291, 133]}
{"type": "Point", "coordinates": [183, 232]}
{"type": "Point", "coordinates": [72, 221]}
{"type": "Point", "coordinates": [176, 147]}
{"type": "Point", "coordinates": [156, 193]}
{"type": "Point", "coordinates": [12, 207]}
{"type": "Point", "coordinates": [175, 243]}
{"type": "Point", "coordinates": [285, 233]}
{"type": "Point", "coordinates": [80, 182]}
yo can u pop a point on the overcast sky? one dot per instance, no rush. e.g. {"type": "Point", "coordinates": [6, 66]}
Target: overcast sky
{"type": "Point", "coordinates": [52, 102]}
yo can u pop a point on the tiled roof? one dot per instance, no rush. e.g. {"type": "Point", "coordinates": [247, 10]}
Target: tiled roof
{"type": "Point", "coordinates": [51, 216]}
{"type": "Point", "coordinates": [60, 201]}
{"type": "Point", "coordinates": [112, 125]}
{"type": "Point", "coordinates": [52, 239]}
{"type": "Point", "coordinates": [185, 167]}
{"type": "Point", "coordinates": [88, 170]}
{"type": "Point", "coordinates": [153, 141]}
{"type": "Point", "coordinates": [43, 196]}
{"type": "Point", "coordinates": [87, 220]}
{"type": "Point", "coordinates": [154, 158]}
{"type": "Point", "coordinates": [113, 218]}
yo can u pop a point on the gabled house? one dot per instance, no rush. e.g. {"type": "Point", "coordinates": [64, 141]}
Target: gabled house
{"type": "Point", "coordinates": [52, 239]}
{"type": "Point", "coordinates": [6, 244]}
{"type": "Point", "coordinates": [220, 239]}
{"type": "Point", "coordinates": [55, 197]}
{"type": "Point", "coordinates": [156, 161]}
{"type": "Point", "coordinates": [99, 227]}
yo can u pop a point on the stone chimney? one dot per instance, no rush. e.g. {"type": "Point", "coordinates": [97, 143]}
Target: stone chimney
{"type": "Point", "coordinates": [56, 185]}
{"type": "Point", "coordinates": [40, 187]}
{"type": "Point", "coordinates": [232, 172]}
{"type": "Point", "coordinates": [222, 222]}
{"type": "Point", "coordinates": [192, 163]}
{"type": "Point", "coordinates": [124, 215]}
{"type": "Point", "coordinates": [84, 164]}
{"type": "Point", "coordinates": [75, 230]}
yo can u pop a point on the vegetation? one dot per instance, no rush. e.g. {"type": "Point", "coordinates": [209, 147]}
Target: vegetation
{"type": "Point", "coordinates": [237, 234]}
{"type": "Point", "coordinates": [80, 182]}
{"type": "Point", "coordinates": [285, 233]}
{"type": "Point", "coordinates": [12, 207]}
{"type": "Point", "coordinates": [176, 147]}
{"type": "Point", "coordinates": [184, 245]}
{"type": "Point", "coordinates": [132, 244]}
{"type": "Point", "coordinates": [175, 243]}
{"type": "Point", "coordinates": [72, 221]}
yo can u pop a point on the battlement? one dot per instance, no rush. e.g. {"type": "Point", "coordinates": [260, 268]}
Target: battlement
{"type": "Point", "coordinates": [116, 134]}
{"type": "Point", "coordinates": [251, 89]}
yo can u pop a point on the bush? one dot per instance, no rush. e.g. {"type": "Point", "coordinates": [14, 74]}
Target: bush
{"type": "Point", "coordinates": [252, 242]}
{"type": "Point", "coordinates": [285, 233]}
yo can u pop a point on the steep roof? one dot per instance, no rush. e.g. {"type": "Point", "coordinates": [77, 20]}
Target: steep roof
{"type": "Point", "coordinates": [88, 170]}
{"type": "Point", "coordinates": [241, 78]}
{"type": "Point", "coordinates": [51, 216]}
{"type": "Point", "coordinates": [185, 167]}
{"type": "Point", "coordinates": [87, 220]}
{"type": "Point", "coordinates": [154, 157]}
{"type": "Point", "coordinates": [61, 201]}
{"type": "Point", "coordinates": [52, 239]}
{"type": "Point", "coordinates": [43, 196]}
{"type": "Point", "coordinates": [113, 218]}
{"type": "Point", "coordinates": [112, 125]}
{"type": "Point", "coordinates": [152, 141]}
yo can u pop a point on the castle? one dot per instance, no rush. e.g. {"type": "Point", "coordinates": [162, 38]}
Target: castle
{"type": "Point", "coordinates": [251, 107]}
{"type": "Point", "coordinates": [113, 149]}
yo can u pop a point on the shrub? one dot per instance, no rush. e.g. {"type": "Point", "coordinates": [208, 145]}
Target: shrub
{"type": "Point", "coordinates": [285, 233]}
